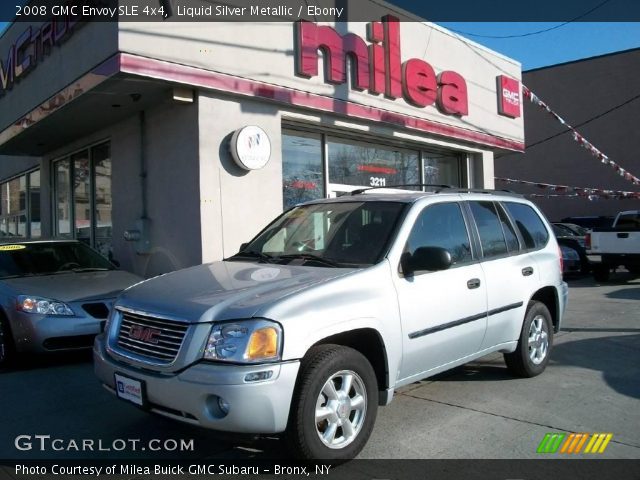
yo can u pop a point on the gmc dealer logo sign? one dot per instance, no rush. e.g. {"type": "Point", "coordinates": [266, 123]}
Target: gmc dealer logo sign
{"type": "Point", "coordinates": [509, 97]}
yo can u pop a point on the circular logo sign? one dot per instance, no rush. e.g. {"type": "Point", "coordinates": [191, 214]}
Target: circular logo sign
{"type": "Point", "coordinates": [250, 147]}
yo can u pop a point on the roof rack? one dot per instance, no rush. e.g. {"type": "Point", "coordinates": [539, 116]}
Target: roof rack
{"type": "Point", "coordinates": [437, 188]}
{"type": "Point", "coordinates": [432, 185]}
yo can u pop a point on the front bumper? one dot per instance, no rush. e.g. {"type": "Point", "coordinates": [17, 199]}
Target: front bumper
{"type": "Point", "coordinates": [191, 395]}
{"type": "Point", "coordinates": [35, 333]}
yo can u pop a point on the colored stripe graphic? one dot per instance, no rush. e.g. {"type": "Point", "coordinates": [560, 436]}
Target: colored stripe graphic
{"type": "Point", "coordinates": [551, 442]}
{"type": "Point", "coordinates": [572, 443]}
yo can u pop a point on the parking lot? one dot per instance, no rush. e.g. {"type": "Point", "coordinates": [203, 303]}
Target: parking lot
{"type": "Point", "coordinates": [591, 385]}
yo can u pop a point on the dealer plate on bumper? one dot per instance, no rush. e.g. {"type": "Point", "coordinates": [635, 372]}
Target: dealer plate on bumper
{"type": "Point", "coordinates": [130, 389]}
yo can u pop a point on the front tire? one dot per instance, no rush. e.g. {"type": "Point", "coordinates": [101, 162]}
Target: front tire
{"type": "Point", "coordinates": [334, 405]}
{"type": "Point", "coordinates": [7, 349]}
{"type": "Point", "coordinates": [534, 346]}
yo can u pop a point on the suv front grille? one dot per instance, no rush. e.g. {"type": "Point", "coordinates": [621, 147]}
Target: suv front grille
{"type": "Point", "coordinates": [151, 337]}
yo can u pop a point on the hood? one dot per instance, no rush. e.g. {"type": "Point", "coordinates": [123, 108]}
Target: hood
{"type": "Point", "coordinates": [74, 287]}
{"type": "Point", "coordinates": [223, 290]}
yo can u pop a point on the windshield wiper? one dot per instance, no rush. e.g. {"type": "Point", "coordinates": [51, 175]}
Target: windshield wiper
{"type": "Point", "coordinates": [265, 257]}
{"type": "Point", "coordinates": [310, 257]}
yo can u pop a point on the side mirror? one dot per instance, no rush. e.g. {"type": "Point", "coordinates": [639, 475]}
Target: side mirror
{"type": "Point", "coordinates": [429, 259]}
{"type": "Point", "coordinates": [243, 246]}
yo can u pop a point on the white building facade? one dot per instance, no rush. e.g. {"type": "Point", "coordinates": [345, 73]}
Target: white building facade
{"type": "Point", "coordinates": [132, 136]}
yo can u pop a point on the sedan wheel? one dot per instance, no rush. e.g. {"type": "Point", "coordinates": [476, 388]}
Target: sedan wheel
{"type": "Point", "coordinates": [6, 345]}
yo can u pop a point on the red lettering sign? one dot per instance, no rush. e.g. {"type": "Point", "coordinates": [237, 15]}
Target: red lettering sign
{"type": "Point", "coordinates": [33, 45]}
{"type": "Point", "coordinates": [378, 67]}
{"type": "Point", "coordinates": [508, 96]}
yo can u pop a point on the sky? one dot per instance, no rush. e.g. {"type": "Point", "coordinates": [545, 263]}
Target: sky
{"type": "Point", "coordinates": [560, 43]}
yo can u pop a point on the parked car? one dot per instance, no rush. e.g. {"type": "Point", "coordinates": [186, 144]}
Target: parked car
{"type": "Point", "coordinates": [590, 221]}
{"type": "Point", "coordinates": [54, 295]}
{"type": "Point", "coordinates": [571, 230]}
{"type": "Point", "coordinates": [571, 263]}
{"type": "Point", "coordinates": [573, 246]}
{"type": "Point", "coordinates": [616, 246]}
{"type": "Point", "coordinates": [334, 305]}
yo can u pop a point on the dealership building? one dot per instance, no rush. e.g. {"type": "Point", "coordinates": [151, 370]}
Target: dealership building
{"type": "Point", "coordinates": [165, 145]}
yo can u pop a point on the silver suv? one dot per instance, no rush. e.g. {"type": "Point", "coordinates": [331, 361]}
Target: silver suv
{"type": "Point", "coordinates": [315, 322]}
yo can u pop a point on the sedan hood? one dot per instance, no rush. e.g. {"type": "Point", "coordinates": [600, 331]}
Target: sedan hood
{"type": "Point", "coordinates": [74, 287]}
{"type": "Point", "coordinates": [223, 290]}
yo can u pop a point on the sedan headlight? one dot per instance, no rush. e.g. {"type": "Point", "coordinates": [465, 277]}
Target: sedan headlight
{"type": "Point", "coordinates": [42, 306]}
{"type": "Point", "coordinates": [247, 341]}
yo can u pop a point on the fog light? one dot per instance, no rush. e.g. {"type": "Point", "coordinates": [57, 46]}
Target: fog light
{"type": "Point", "coordinates": [257, 376]}
{"type": "Point", "coordinates": [224, 405]}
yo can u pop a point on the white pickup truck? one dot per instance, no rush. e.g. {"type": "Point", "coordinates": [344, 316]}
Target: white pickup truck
{"type": "Point", "coordinates": [618, 245]}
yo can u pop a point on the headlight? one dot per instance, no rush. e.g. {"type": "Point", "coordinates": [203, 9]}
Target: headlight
{"type": "Point", "coordinates": [42, 306]}
{"type": "Point", "coordinates": [249, 341]}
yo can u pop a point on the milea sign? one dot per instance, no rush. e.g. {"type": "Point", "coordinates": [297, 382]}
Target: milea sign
{"type": "Point", "coordinates": [378, 67]}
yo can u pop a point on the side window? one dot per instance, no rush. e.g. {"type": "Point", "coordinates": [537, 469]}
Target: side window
{"type": "Point", "coordinates": [507, 229]}
{"type": "Point", "coordinates": [489, 229]}
{"type": "Point", "coordinates": [531, 227]}
{"type": "Point", "coordinates": [442, 225]}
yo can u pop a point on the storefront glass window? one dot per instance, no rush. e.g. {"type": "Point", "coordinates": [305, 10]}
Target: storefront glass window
{"type": "Point", "coordinates": [441, 169]}
{"type": "Point", "coordinates": [90, 195]}
{"type": "Point", "coordinates": [63, 198]}
{"type": "Point", "coordinates": [82, 196]}
{"type": "Point", "coordinates": [13, 207]}
{"type": "Point", "coordinates": [301, 168]}
{"type": "Point", "coordinates": [373, 166]}
{"type": "Point", "coordinates": [103, 203]}
{"type": "Point", "coordinates": [34, 204]}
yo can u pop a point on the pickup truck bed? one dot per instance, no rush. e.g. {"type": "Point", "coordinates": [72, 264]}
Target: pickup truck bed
{"type": "Point", "coordinates": [617, 246]}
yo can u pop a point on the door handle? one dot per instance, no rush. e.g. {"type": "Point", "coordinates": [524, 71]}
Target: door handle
{"type": "Point", "coordinates": [526, 271]}
{"type": "Point", "coordinates": [473, 283]}
{"type": "Point", "coordinates": [622, 235]}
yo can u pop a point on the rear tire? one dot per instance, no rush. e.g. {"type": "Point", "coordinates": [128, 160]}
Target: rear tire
{"type": "Point", "coordinates": [601, 272]}
{"type": "Point", "coordinates": [535, 342]}
{"type": "Point", "coordinates": [334, 405]}
{"type": "Point", "coordinates": [7, 350]}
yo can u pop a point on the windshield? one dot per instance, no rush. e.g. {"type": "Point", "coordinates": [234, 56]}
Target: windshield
{"type": "Point", "coordinates": [49, 258]}
{"type": "Point", "coordinates": [328, 234]}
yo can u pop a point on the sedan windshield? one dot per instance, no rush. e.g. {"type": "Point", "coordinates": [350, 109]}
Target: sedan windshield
{"type": "Point", "coordinates": [45, 258]}
{"type": "Point", "coordinates": [327, 234]}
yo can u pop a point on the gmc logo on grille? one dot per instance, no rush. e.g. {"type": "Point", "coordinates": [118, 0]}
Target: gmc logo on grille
{"type": "Point", "coordinates": [144, 334]}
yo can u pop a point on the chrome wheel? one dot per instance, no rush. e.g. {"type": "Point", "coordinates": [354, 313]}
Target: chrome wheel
{"type": "Point", "coordinates": [538, 340]}
{"type": "Point", "coordinates": [341, 408]}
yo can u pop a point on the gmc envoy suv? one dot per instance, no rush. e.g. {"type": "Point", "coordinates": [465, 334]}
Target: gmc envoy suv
{"type": "Point", "coordinates": [334, 305]}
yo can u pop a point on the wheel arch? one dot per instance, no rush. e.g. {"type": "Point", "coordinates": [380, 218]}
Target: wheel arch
{"type": "Point", "coordinates": [370, 344]}
{"type": "Point", "coordinates": [549, 297]}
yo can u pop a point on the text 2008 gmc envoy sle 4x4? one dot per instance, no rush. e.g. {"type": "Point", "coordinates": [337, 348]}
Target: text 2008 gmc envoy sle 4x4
{"type": "Point", "coordinates": [335, 304]}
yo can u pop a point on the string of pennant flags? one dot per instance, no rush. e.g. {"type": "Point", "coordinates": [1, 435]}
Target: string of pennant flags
{"type": "Point", "coordinates": [565, 191]}
{"type": "Point", "coordinates": [583, 142]}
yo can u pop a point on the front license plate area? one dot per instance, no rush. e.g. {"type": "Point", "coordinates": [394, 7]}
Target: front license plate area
{"type": "Point", "coordinates": [130, 390]}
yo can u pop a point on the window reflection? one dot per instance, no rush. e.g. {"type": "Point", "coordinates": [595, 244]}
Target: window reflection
{"type": "Point", "coordinates": [301, 169]}
{"type": "Point", "coordinates": [373, 166]}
